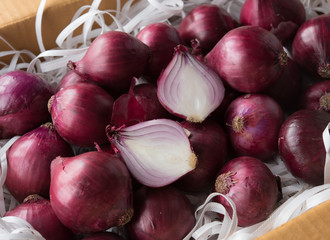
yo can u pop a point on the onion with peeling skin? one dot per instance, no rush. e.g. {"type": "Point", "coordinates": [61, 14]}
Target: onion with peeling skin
{"type": "Point", "coordinates": [317, 96]}
{"type": "Point", "coordinates": [157, 152]}
{"type": "Point", "coordinates": [189, 89]}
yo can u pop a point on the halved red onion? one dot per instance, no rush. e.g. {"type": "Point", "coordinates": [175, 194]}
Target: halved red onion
{"type": "Point", "coordinates": [23, 103]}
{"type": "Point", "coordinates": [91, 192]}
{"type": "Point", "coordinates": [157, 152]}
{"type": "Point", "coordinates": [248, 58]}
{"type": "Point", "coordinates": [317, 96]}
{"type": "Point", "coordinates": [207, 23]}
{"type": "Point", "coordinates": [311, 46]}
{"type": "Point", "coordinates": [281, 17]}
{"type": "Point", "coordinates": [29, 160]}
{"type": "Point", "coordinates": [188, 88]}
{"type": "Point", "coordinates": [81, 112]}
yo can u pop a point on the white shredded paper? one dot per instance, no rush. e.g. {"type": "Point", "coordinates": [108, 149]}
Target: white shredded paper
{"type": "Point", "coordinates": [50, 64]}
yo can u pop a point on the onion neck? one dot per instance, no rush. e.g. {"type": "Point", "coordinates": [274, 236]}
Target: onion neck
{"type": "Point", "coordinates": [32, 198]}
{"type": "Point", "coordinates": [126, 217]}
{"type": "Point", "coordinates": [324, 70]}
{"type": "Point", "coordinates": [283, 58]}
{"type": "Point", "coordinates": [325, 102]}
{"type": "Point", "coordinates": [224, 182]}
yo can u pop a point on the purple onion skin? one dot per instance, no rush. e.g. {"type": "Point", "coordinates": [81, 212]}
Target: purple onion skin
{"type": "Point", "coordinates": [23, 103]}
{"type": "Point", "coordinates": [301, 145]}
{"type": "Point", "coordinates": [161, 38]}
{"type": "Point", "coordinates": [91, 192]}
{"type": "Point", "coordinates": [160, 213]}
{"type": "Point", "coordinates": [39, 213]}
{"type": "Point", "coordinates": [29, 160]}
{"type": "Point", "coordinates": [253, 123]}
{"type": "Point", "coordinates": [311, 48]}
{"type": "Point", "coordinates": [207, 23]}
{"type": "Point", "coordinates": [112, 60]}
{"type": "Point", "coordinates": [80, 114]}
{"type": "Point", "coordinates": [209, 143]}
{"type": "Point", "coordinates": [248, 58]}
{"type": "Point", "coordinates": [104, 236]}
{"type": "Point", "coordinates": [281, 17]}
{"type": "Point", "coordinates": [317, 96]}
{"type": "Point", "coordinates": [70, 78]}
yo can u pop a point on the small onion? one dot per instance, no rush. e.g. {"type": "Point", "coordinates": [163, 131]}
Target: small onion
{"type": "Point", "coordinates": [248, 58]}
{"type": "Point", "coordinates": [317, 96]}
{"type": "Point", "coordinates": [103, 236]}
{"type": "Point", "coordinates": [207, 23]}
{"type": "Point", "coordinates": [301, 144]}
{"type": "Point", "coordinates": [80, 113]}
{"type": "Point", "coordinates": [161, 213]}
{"type": "Point", "coordinates": [70, 78]}
{"type": "Point", "coordinates": [311, 46]}
{"type": "Point", "coordinates": [29, 160]}
{"type": "Point", "coordinates": [91, 192]}
{"type": "Point", "coordinates": [250, 184]}
{"type": "Point", "coordinates": [189, 89]}
{"type": "Point", "coordinates": [112, 60]}
{"type": "Point", "coordinates": [23, 102]}
{"type": "Point", "coordinates": [281, 17]}
{"type": "Point", "coordinates": [157, 152]}
{"type": "Point", "coordinates": [253, 123]}
{"type": "Point", "coordinates": [38, 211]}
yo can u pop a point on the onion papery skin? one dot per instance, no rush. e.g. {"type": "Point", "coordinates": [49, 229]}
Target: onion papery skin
{"type": "Point", "coordinates": [209, 143]}
{"type": "Point", "coordinates": [317, 96]}
{"type": "Point", "coordinates": [207, 23]}
{"type": "Point", "coordinates": [112, 60]}
{"type": "Point", "coordinates": [253, 123]}
{"type": "Point", "coordinates": [81, 112]}
{"type": "Point", "coordinates": [280, 17]}
{"type": "Point", "coordinates": [311, 47]}
{"type": "Point", "coordinates": [248, 58]}
{"type": "Point", "coordinates": [160, 213]}
{"type": "Point", "coordinates": [91, 192]}
{"type": "Point", "coordinates": [38, 211]}
{"type": "Point", "coordinates": [29, 160]}
{"type": "Point", "coordinates": [104, 236]}
{"type": "Point", "coordinates": [157, 152]}
{"type": "Point", "coordinates": [250, 184]}
{"type": "Point", "coordinates": [189, 89]}
{"type": "Point", "coordinates": [301, 144]}
{"type": "Point", "coordinates": [23, 103]}
{"type": "Point", "coordinates": [70, 78]}
{"type": "Point", "coordinates": [161, 38]}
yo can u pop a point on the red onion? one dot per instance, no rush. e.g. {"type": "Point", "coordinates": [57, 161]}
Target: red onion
{"type": "Point", "coordinates": [70, 78]}
{"type": "Point", "coordinates": [23, 98]}
{"type": "Point", "coordinates": [311, 48]}
{"type": "Point", "coordinates": [157, 152]}
{"type": "Point", "coordinates": [104, 236]}
{"type": "Point", "coordinates": [81, 112]}
{"type": "Point", "coordinates": [253, 122]}
{"type": "Point", "coordinates": [162, 214]}
{"type": "Point", "coordinates": [248, 58]}
{"type": "Point", "coordinates": [39, 213]}
{"type": "Point", "coordinates": [281, 17]}
{"type": "Point", "coordinates": [301, 144]}
{"type": "Point", "coordinates": [189, 89]}
{"type": "Point", "coordinates": [29, 160]}
{"type": "Point", "coordinates": [161, 38]}
{"type": "Point", "coordinates": [91, 192]}
{"type": "Point", "coordinates": [207, 23]}
{"type": "Point", "coordinates": [317, 96]}
{"type": "Point", "coordinates": [209, 143]}
{"type": "Point", "coordinates": [112, 60]}
{"type": "Point", "coordinates": [249, 183]}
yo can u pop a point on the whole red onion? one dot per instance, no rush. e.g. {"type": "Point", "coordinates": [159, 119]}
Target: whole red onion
{"type": "Point", "coordinates": [103, 236]}
{"type": "Point", "coordinates": [281, 17]}
{"type": "Point", "coordinates": [250, 184]}
{"type": "Point", "coordinates": [29, 160]}
{"type": "Point", "coordinates": [317, 96]}
{"type": "Point", "coordinates": [38, 211]}
{"type": "Point", "coordinates": [112, 60]}
{"type": "Point", "coordinates": [207, 23]}
{"type": "Point", "coordinates": [248, 58]}
{"type": "Point", "coordinates": [81, 112]}
{"type": "Point", "coordinates": [209, 142]}
{"type": "Point", "coordinates": [91, 192]}
{"type": "Point", "coordinates": [70, 78]}
{"type": "Point", "coordinates": [161, 213]}
{"type": "Point", "coordinates": [161, 38]}
{"type": "Point", "coordinates": [253, 122]}
{"type": "Point", "coordinates": [301, 145]}
{"type": "Point", "coordinates": [311, 47]}
{"type": "Point", "coordinates": [23, 102]}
